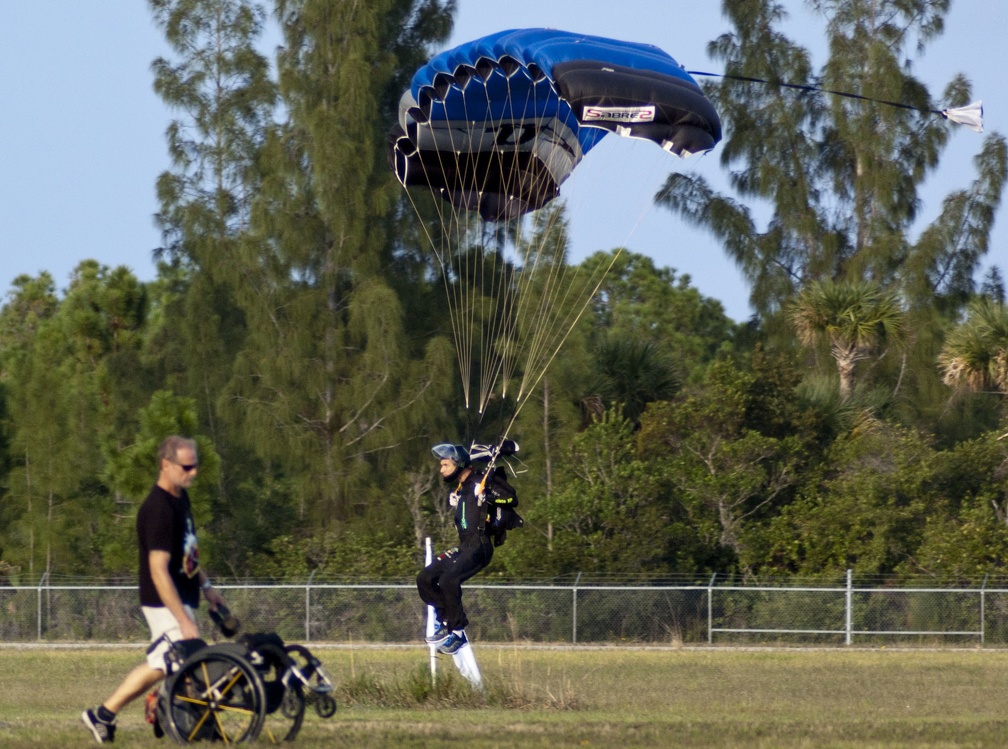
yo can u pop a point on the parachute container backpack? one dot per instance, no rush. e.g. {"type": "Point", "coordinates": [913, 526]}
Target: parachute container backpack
{"type": "Point", "coordinates": [491, 130]}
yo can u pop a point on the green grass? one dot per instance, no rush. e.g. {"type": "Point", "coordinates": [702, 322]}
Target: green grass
{"type": "Point", "coordinates": [577, 698]}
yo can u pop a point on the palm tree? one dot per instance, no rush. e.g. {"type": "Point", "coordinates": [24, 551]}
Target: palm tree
{"type": "Point", "coordinates": [855, 318]}
{"type": "Point", "coordinates": [975, 354]}
{"type": "Point", "coordinates": [631, 372]}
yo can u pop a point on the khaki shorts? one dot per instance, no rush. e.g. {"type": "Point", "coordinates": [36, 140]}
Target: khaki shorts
{"type": "Point", "coordinates": [162, 622]}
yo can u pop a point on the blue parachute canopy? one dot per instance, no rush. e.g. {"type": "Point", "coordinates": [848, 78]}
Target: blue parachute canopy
{"type": "Point", "coordinates": [498, 124]}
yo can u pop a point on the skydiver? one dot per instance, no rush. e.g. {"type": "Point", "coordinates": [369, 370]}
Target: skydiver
{"type": "Point", "coordinates": [479, 500]}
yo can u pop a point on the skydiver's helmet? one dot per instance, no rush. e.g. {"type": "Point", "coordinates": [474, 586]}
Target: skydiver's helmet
{"type": "Point", "coordinates": [457, 454]}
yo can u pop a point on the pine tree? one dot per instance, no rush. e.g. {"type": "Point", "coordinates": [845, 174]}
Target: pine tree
{"type": "Point", "coordinates": [325, 387]}
{"type": "Point", "coordinates": [219, 84]}
{"type": "Point", "coordinates": [842, 176]}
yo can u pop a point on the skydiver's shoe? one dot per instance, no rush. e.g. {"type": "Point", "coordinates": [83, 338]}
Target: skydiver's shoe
{"type": "Point", "coordinates": [102, 730]}
{"type": "Point", "coordinates": [454, 642]}
{"type": "Point", "coordinates": [439, 635]}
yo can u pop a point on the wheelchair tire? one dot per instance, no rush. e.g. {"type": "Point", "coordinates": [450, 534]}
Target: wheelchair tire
{"type": "Point", "coordinates": [285, 705]}
{"type": "Point", "coordinates": [319, 691]}
{"type": "Point", "coordinates": [214, 696]}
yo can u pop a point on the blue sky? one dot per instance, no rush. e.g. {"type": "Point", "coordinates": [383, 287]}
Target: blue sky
{"type": "Point", "coordinates": [83, 133]}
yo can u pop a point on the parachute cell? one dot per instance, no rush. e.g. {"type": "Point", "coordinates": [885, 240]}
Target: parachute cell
{"type": "Point", "coordinates": [497, 124]}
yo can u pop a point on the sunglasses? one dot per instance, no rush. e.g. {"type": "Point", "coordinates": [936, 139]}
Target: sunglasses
{"type": "Point", "coordinates": [188, 467]}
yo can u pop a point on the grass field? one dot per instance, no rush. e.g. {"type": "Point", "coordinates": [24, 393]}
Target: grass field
{"type": "Point", "coordinates": [576, 698]}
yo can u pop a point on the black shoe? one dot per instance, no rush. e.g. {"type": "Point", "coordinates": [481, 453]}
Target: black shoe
{"type": "Point", "coordinates": [103, 732]}
{"type": "Point", "coordinates": [454, 642]}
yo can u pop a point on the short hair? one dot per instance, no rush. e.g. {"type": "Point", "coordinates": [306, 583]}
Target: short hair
{"type": "Point", "coordinates": [169, 447]}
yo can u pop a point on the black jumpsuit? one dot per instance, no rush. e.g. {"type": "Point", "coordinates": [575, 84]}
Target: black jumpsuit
{"type": "Point", "coordinates": [440, 583]}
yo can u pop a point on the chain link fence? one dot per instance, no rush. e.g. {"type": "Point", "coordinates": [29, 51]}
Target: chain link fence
{"type": "Point", "coordinates": [710, 612]}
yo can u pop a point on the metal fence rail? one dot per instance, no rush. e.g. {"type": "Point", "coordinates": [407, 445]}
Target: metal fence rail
{"type": "Point", "coordinates": [842, 614]}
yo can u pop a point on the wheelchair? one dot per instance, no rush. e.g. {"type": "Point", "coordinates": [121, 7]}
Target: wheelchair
{"type": "Point", "coordinates": [233, 691]}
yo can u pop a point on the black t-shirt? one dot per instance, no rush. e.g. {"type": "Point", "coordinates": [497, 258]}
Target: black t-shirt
{"type": "Point", "coordinates": [165, 523]}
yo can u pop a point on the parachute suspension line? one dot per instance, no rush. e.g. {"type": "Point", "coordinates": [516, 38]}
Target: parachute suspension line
{"type": "Point", "coordinates": [514, 279]}
{"type": "Point", "coordinates": [540, 315]}
{"type": "Point", "coordinates": [497, 302]}
{"type": "Point", "coordinates": [466, 258]}
{"type": "Point", "coordinates": [483, 277]}
{"type": "Point", "coordinates": [517, 320]}
{"type": "Point", "coordinates": [971, 115]}
{"type": "Point", "coordinates": [491, 136]}
{"type": "Point", "coordinates": [563, 339]}
{"type": "Point", "coordinates": [442, 254]}
{"type": "Point", "coordinates": [453, 229]}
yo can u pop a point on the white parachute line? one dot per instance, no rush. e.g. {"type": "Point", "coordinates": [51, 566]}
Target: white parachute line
{"type": "Point", "coordinates": [538, 314]}
{"type": "Point", "coordinates": [539, 293]}
{"type": "Point", "coordinates": [520, 304]}
{"type": "Point", "coordinates": [490, 301]}
{"type": "Point", "coordinates": [505, 330]}
{"type": "Point", "coordinates": [460, 251]}
{"type": "Point", "coordinates": [553, 298]}
{"type": "Point", "coordinates": [507, 325]}
{"type": "Point", "coordinates": [521, 401]}
{"type": "Point", "coordinates": [443, 257]}
{"type": "Point", "coordinates": [453, 233]}
{"type": "Point", "coordinates": [551, 337]}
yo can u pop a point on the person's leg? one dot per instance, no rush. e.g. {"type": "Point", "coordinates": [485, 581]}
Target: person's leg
{"type": "Point", "coordinates": [101, 720]}
{"type": "Point", "coordinates": [428, 583]}
{"type": "Point", "coordinates": [469, 561]}
{"type": "Point", "coordinates": [429, 579]}
{"type": "Point", "coordinates": [429, 588]}
{"type": "Point", "coordinates": [137, 681]}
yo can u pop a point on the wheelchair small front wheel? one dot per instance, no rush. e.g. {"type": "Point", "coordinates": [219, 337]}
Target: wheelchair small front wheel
{"type": "Point", "coordinates": [325, 705]}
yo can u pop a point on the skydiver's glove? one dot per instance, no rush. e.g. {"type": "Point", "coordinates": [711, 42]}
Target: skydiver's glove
{"type": "Point", "coordinates": [453, 499]}
{"type": "Point", "coordinates": [480, 495]}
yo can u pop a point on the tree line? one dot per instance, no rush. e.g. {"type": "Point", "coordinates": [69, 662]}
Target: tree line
{"type": "Point", "coordinates": [298, 328]}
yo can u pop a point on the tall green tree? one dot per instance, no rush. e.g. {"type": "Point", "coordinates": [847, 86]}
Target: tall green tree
{"type": "Point", "coordinates": [132, 470]}
{"type": "Point", "coordinates": [734, 451]}
{"type": "Point", "coordinates": [218, 82]}
{"type": "Point", "coordinates": [31, 305]}
{"type": "Point", "coordinates": [70, 400]}
{"type": "Point", "coordinates": [608, 513]}
{"type": "Point", "coordinates": [865, 507]}
{"type": "Point", "coordinates": [841, 176]}
{"type": "Point", "coordinates": [328, 390]}
{"type": "Point", "coordinates": [638, 300]}
{"type": "Point", "coordinates": [966, 531]}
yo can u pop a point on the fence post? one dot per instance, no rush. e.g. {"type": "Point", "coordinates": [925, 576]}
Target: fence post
{"type": "Point", "coordinates": [983, 607]}
{"type": "Point", "coordinates": [710, 610]}
{"type": "Point", "coordinates": [850, 606]}
{"type": "Point", "coordinates": [574, 611]}
{"type": "Point", "coordinates": [307, 607]}
{"type": "Point", "coordinates": [42, 582]}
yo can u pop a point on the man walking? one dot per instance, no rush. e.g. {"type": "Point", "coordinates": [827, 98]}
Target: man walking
{"type": "Point", "coordinates": [170, 578]}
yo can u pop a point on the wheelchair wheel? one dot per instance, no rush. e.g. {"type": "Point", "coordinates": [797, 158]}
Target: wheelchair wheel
{"type": "Point", "coordinates": [285, 703]}
{"type": "Point", "coordinates": [216, 696]}
{"type": "Point", "coordinates": [317, 684]}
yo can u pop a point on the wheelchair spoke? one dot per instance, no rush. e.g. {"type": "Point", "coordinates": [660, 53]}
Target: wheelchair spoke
{"type": "Point", "coordinates": [198, 726]}
{"type": "Point", "coordinates": [191, 700]}
{"type": "Point", "coordinates": [232, 709]}
{"type": "Point", "coordinates": [220, 729]}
